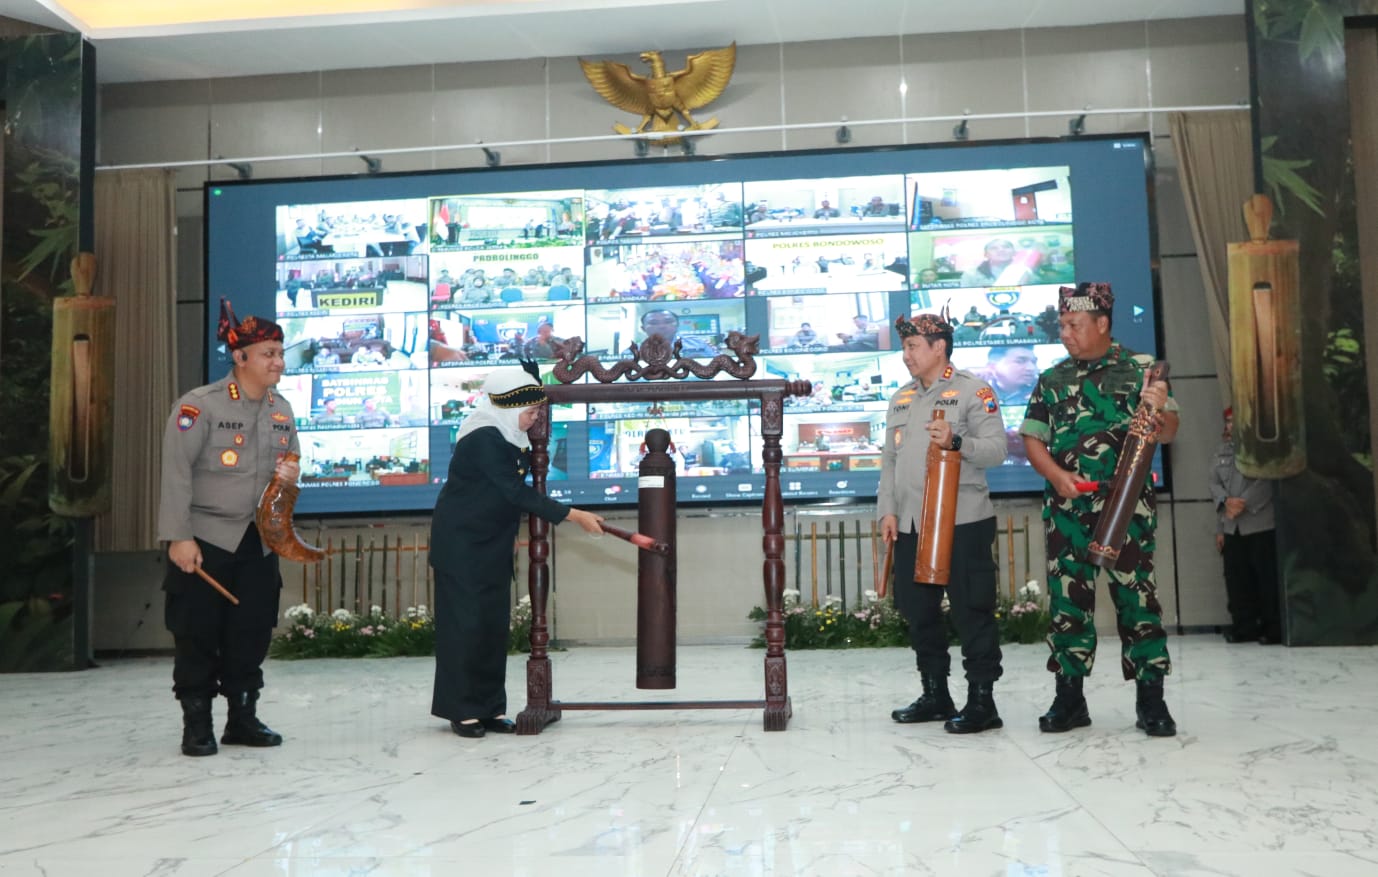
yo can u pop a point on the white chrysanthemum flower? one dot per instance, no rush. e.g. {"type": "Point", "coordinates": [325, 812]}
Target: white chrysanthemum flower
{"type": "Point", "coordinates": [525, 600]}
{"type": "Point", "coordinates": [342, 615]}
{"type": "Point", "coordinates": [375, 610]}
{"type": "Point", "coordinates": [831, 600]}
{"type": "Point", "coordinates": [1031, 588]}
{"type": "Point", "coordinates": [871, 596]}
{"type": "Point", "coordinates": [300, 612]}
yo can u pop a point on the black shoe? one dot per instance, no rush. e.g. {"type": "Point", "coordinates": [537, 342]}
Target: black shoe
{"type": "Point", "coordinates": [979, 713]}
{"type": "Point", "coordinates": [1153, 717]}
{"type": "Point", "coordinates": [198, 729]}
{"type": "Point", "coordinates": [469, 729]}
{"type": "Point", "coordinates": [1268, 639]}
{"type": "Point", "coordinates": [934, 705]}
{"type": "Point", "coordinates": [499, 726]}
{"type": "Point", "coordinates": [1069, 707]}
{"type": "Point", "coordinates": [243, 727]}
{"type": "Point", "coordinates": [1240, 636]}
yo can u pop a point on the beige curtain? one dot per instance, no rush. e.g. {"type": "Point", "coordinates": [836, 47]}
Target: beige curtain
{"type": "Point", "coordinates": [136, 252]}
{"type": "Point", "coordinates": [1215, 155]}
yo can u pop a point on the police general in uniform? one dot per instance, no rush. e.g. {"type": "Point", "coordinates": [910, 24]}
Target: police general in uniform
{"type": "Point", "coordinates": [221, 447]}
{"type": "Point", "coordinates": [1075, 424]}
{"type": "Point", "coordinates": [971, 424]}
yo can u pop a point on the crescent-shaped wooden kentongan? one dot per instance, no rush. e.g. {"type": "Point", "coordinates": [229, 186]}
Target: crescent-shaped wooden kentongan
{"type": "Point", "coordinates": [274, 519]}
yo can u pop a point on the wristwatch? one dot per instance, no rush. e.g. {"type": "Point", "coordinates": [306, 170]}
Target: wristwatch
{"type": "Point", "coordinates": [956, 442]}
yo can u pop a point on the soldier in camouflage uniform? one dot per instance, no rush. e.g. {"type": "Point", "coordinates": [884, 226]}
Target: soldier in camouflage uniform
{"type": "Point", "coordinates": [1075, 425]}
{"type": "Point", "coordinates": [221, 447]}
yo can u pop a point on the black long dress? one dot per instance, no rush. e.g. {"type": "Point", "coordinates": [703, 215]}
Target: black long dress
{"type": "Point", "coordinates": [472, 530]}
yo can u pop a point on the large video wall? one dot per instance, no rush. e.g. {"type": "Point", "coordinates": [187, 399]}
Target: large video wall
{"type": "Point", "coordinates": [398, 295]}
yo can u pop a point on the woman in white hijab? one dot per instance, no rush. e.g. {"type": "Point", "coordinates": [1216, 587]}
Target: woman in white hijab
{"type": "Point", "coordinates": [472, 531]}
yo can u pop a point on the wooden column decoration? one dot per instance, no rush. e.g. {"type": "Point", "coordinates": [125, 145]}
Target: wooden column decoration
{"type": "Point", "coordinates": [80, 420]}
{"type": "Point", "coordinates": [1265, 350]}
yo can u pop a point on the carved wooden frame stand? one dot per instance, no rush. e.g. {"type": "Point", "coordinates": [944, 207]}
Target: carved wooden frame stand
{"type": "Point", "coordinates": [541, 707]}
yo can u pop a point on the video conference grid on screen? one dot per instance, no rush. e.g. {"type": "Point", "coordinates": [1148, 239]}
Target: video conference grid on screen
{"type": "Point", "coordinates": [399, 294]}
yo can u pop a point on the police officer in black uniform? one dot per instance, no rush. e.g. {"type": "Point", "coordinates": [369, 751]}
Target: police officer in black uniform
{"type": "Point", "coordinates": [222, 445]}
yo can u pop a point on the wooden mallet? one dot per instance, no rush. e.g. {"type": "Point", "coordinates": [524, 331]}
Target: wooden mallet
{"type": "Point", "coordinates": [640, 540]}
{"type": "Point", "coordinates": [210, 580]}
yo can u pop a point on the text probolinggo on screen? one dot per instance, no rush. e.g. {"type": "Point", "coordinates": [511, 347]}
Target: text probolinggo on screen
{"type": "Point", "coordinates": [398, 295]}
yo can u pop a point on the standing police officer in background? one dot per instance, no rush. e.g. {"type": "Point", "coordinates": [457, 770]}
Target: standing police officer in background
{"type": "Point", "coordinates": [222, 445]}
{"type": "Point", "coordinates": [1245, 539]}
{"type": "Point", "coordinates": [1074, 429]}
{"type": "Point", "coordinates": [971, 424]}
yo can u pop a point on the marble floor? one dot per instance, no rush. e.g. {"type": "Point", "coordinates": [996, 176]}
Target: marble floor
{"type": "Point", "coordinates": [1274, 772]}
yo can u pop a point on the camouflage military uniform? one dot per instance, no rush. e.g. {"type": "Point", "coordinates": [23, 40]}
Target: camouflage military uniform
{"type": "Point", "coordinates": [1081, 411]}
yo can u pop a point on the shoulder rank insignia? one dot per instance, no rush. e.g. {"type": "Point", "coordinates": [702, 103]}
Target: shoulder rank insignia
{"type": "Point", "coordinates": [229, 458]}
{"type": "Point", "coordinates": [233, 390]}
{"type": "Point", "coordinates": [987, 395]}
{"type": "Point", "coordinates": [948, 372]}
{"type": "Point", "coordinates": [186, 417]}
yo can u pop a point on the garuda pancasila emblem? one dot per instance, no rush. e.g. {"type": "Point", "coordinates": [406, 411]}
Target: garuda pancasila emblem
{"type": "Point", "coordinates": [661, 97]}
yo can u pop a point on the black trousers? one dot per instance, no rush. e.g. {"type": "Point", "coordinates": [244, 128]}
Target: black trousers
{"type": "Point", "coordinates": [220, 647]}
{"type": "Point", "coordinates": [970, 594]}
{"type": "Point", "coordinates": [1251, 584]}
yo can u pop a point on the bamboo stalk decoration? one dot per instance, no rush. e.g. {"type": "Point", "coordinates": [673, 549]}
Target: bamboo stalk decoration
{"type": "Point", "coordinates": [1028, 563]}
{"type": "Point", "coordinates": [82, 384]}
{"type": "Point", "coordinates": [329, 572]}
{"type": "Point", "coordinates": [856, 526]}
{"type": "Point", "coordinates": [415, 557]}
{"type": "Point", "coordinates": [318, 571]}
{"type": "Point", "coordinates": [358, 573]}
{"type": "Point", "coordinates": [397, 576]}
{"type": "Point", "coordinates": [798, 556]}
{"type": "Point", "coordinates": [1009, 542]}
{"type": "Point", "coordinates": [1265, 349]}
{"type": "Point", "coordinates": [875, 559]}
{"type": "Point", "coordinates": [383, 576]}
{"type": "Point", "coordinates": [842, 561]}
{"type": "Point", "coordinates": [304, 573]}
{"type": "Point", "coordinates": [828, 557]}
{"type": "Point", "coordinates": [368, 589]}
{"type": "Point", "coordinates": [813, 559]}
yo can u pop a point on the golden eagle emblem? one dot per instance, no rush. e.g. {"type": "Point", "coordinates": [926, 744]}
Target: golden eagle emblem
{"type": "Point", "coordinates": [661, 97]}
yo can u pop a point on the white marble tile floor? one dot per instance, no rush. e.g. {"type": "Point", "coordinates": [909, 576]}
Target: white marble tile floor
{"type": "Point", "coordinates": [1273, 773]}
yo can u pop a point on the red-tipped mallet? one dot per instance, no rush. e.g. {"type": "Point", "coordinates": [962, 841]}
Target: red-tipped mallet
{"type": "Point", "coordinates": [640, 540]}
{"type": "Point", "coordinates": [1093, 486]}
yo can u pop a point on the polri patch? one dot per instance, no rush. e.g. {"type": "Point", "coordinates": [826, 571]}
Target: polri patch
{"type": "Point", "coordinates": [229, 458]}
{"type": "Point", "coordinates": [186, 417]}
{"type": "Point", "coordinates": [987, 395]}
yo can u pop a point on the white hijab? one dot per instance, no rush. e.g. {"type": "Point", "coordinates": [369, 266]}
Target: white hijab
{"type": "Point", "coordinates": [507, 420]}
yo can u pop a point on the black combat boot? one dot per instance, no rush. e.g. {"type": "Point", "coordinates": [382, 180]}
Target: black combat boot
{"type": "Point", "coordinates": [934, 705]}
{"type": "Point", "coordinates": [243, 727]}
{"type": "Point", "coordinates": [198, 730]}
{"type": "Point", "coordinates": [1069, 707]}
{"type": "Point", "coordinates": [1154, 719]}
{"type": "Point", "coordinates": [979, 714]}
